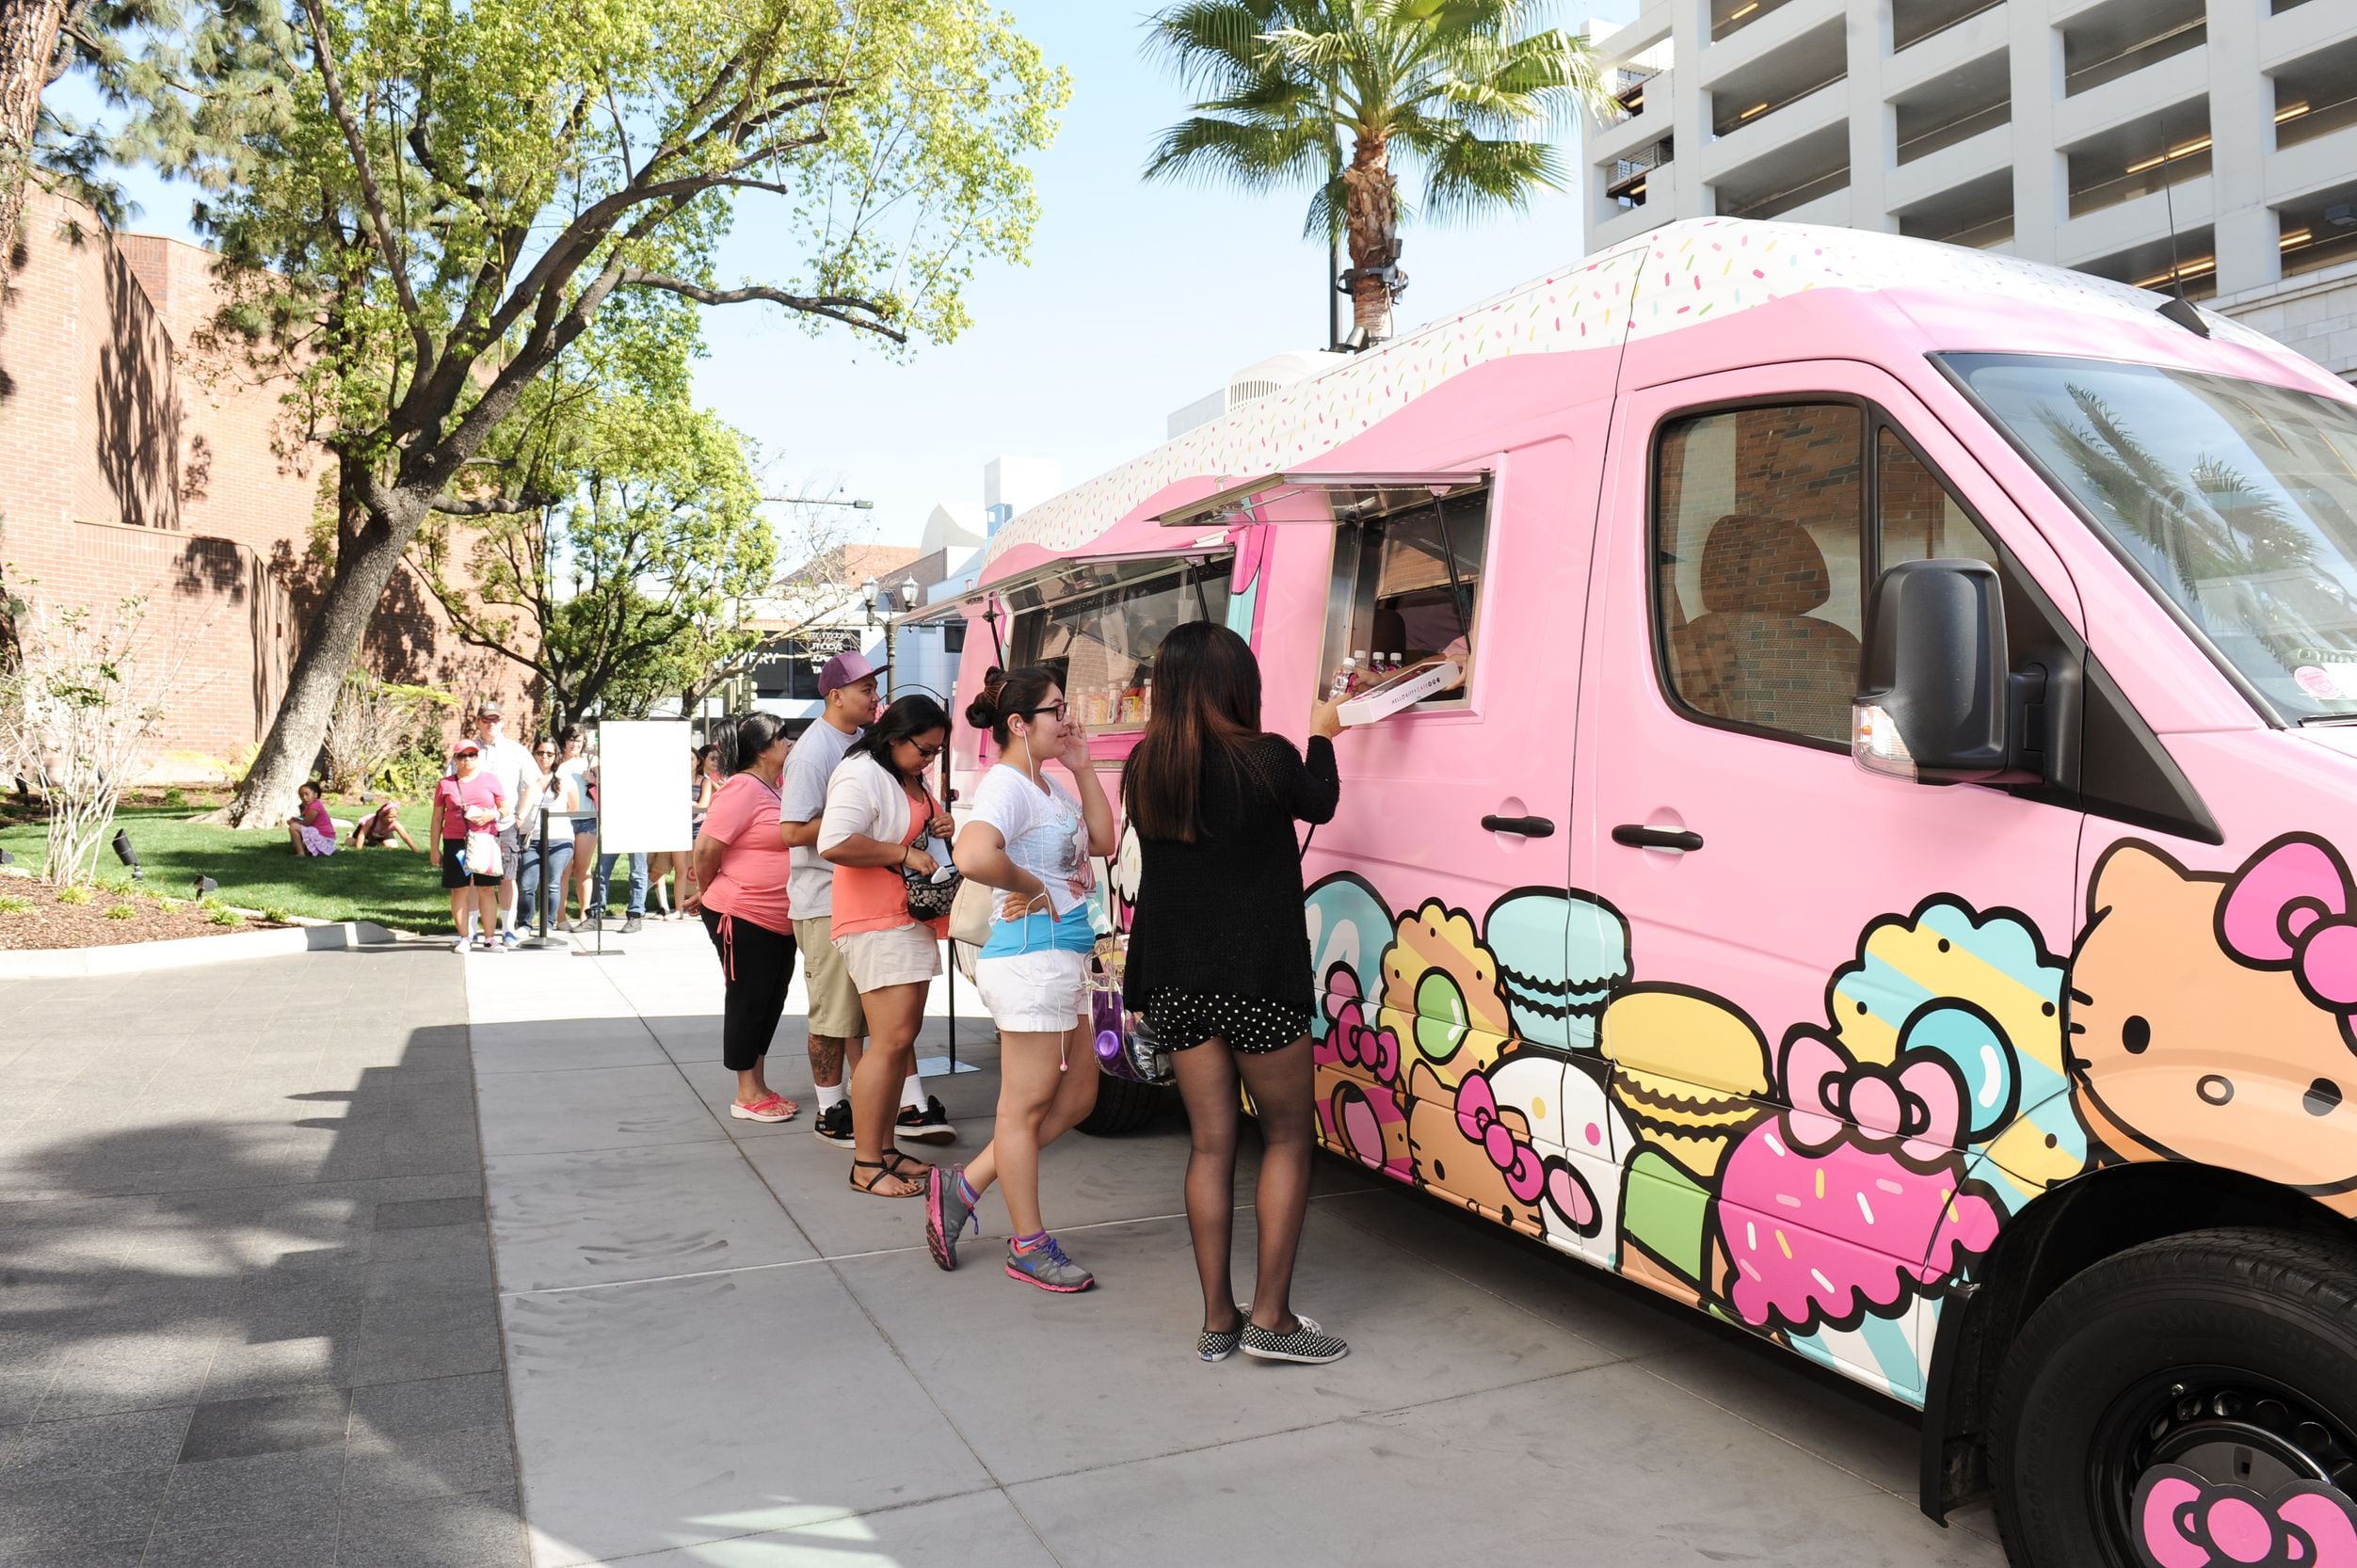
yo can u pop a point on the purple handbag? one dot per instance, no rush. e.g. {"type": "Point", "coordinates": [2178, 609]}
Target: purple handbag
{"type": "Point", "coordinates": [1126, 1047]}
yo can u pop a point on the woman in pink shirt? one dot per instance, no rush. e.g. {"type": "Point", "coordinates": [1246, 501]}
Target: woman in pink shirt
{"type": "Point", "coordinates": [741, 868]}
{"type": "Point", "coordinates": [468, 800]}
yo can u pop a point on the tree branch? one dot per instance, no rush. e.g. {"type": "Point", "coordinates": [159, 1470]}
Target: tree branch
{"type": "Point", "coordinates": [332, 79]}
{"type": "Point", "coordinates": [485, 506]}
{"type": "Point", "coordinates": [837, 307]}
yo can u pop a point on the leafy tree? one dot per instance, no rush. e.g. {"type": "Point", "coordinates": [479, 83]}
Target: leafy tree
{"type": "Point", "coordinates": [1456, 88]}
{"type": "Point", "coordinates": [621, 587]}
{"type": "Point", "coordinates": [424, 203]}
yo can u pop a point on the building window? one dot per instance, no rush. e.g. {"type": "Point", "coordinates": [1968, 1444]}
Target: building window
{"type": "Point", "coordinates": [788, 673]}
{"type": "Point", "coordinates": [1100, 626]}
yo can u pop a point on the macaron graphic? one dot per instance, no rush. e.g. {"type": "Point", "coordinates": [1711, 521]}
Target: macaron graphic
{"type": "Point", "coordinates": [1561, 955]}
{"type": "Point", "coordinates": [1688, 1072]}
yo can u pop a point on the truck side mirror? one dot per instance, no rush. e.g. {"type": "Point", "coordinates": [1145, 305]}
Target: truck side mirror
{"type": "Point", "coordinates": [1933, 700]}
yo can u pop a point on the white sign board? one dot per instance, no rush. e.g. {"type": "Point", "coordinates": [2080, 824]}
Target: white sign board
{"type": "Point", "coordinates": [643, 796]}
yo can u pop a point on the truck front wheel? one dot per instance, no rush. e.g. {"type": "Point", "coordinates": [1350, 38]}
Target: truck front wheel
{"type": "Point", "coordinates": [2192, 1400]}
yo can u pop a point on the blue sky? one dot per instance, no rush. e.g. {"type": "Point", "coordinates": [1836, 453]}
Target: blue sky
{"type": "Point", "coordinates": [1138, 301]}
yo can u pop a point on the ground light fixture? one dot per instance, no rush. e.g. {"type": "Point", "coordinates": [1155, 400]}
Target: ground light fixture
{"type": "Point", "coordinates": [206, 886]}
{"type": "Point", "coordinates": [128, 856]}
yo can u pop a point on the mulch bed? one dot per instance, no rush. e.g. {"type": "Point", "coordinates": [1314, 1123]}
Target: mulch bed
{"type": "Point", "coordinates": [51, 924]}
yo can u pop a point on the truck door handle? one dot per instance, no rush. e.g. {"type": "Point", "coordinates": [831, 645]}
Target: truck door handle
{"type": "Point", "coordinates": [1529, 827]}
{"type": "Point", "coordinates": [1638, 837]}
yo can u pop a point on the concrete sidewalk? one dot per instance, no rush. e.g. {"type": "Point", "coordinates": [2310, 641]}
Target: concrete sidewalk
{"type": "Point", "coordinates": [718, 1354]}
{"type": "Point", "coordinates": [247, 1315]}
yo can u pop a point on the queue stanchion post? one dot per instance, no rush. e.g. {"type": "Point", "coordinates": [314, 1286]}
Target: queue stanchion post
{"type": "Point", "coordinates": [540, 924]}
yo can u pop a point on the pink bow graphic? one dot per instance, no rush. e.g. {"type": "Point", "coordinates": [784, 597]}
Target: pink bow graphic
{"type": "Point", "coordinates": [1374, 1050]}
{"type": "Point", "coordinates": [1916, 1103]}
{"type": "Point", "coordinates": [2288, 908]}
{"type": "Point", "coordinates": [1476, 1118]}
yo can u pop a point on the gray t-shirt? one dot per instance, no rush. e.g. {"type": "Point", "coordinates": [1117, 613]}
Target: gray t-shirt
{"type": "Point", "coordinates": [802, 797]}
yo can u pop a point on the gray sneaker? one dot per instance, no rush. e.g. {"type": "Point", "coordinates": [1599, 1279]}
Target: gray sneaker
{"type": "Point", "coordinates": [946, 1212]}
{"type": "Point", "coordinates": [1045, 1266]}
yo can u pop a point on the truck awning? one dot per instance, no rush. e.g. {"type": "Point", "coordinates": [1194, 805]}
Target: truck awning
{"type": "Point", "coordinates": [1326, 498]}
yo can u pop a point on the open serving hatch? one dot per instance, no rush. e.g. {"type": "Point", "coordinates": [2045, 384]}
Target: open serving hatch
{"type": "Point", "coordinates": [1327, 498]}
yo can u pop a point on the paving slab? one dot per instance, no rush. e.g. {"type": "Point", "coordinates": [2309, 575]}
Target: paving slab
{"type": "Point", "coordinates": [1607, 1465]}
{"type": "Point", "coordinates": [657, 1415]}
{"type": "Point", "coordinates": [635, 1213]}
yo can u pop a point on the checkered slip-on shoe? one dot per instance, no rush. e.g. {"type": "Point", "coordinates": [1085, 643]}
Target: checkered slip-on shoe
{"type": "Point", "coordinates": [1305, 1344]}
{"type": "Point", "coordinates": [1211, 1346]}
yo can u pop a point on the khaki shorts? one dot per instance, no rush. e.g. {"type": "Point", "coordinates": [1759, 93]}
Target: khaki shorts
{"type": "Point", "coordinates": [899, 955]}
{"type": "Point", "coordinates": [835, 1012]}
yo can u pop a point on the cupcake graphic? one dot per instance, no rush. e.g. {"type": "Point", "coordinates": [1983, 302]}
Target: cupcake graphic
{"type": "Point", "coordinates": [1560, 958]}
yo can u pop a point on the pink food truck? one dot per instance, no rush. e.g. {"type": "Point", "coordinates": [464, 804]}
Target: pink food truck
{"type": "Point", "coordinates": [1881, 877]}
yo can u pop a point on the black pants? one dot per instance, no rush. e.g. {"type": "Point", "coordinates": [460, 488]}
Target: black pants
{"type": "Point", "coordinates": [757, 965]}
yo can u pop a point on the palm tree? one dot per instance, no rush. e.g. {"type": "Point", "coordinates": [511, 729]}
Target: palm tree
{"type": "Point", "coordinates": [1458, 88]}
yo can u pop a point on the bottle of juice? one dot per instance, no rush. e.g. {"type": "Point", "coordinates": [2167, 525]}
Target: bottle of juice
{"type": "Point", "coordinates": [1344, 679]}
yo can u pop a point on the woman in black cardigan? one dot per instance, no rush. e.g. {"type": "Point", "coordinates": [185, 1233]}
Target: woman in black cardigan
{"type": "Point", "coordinates": [1219, 961]}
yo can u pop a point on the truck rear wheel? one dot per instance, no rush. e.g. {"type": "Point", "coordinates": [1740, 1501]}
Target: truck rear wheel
{"type": "Point", "coordinates": [2190, 1401]}
{"type": "Point", "coordinates": [1123, 1105]}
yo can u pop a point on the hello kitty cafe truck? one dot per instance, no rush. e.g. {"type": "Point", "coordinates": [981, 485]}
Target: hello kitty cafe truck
{"type": "Point", "coordinates": [1884, 880]}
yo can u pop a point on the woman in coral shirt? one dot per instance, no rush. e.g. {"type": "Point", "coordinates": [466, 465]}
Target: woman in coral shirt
{"type": "Point", "coordinates": [740, 866]}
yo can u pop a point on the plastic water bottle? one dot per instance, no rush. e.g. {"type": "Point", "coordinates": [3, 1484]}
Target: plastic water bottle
{"type": "Point", "coordinates": [1344, 679]}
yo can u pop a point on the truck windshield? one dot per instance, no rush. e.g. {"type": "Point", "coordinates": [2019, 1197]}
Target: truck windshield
{"type": "Point", "coordinates": [2238, 499]}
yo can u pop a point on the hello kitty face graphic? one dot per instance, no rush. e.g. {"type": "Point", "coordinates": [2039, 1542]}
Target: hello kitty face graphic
{"type": "Point", "coordinates": [2209, 1015]}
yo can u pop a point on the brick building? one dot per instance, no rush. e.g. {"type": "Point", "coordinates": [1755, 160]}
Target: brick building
{"type": "Point", "coordinates": [130, 466]}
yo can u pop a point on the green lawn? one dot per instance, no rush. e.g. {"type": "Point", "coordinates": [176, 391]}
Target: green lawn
{"type": "Point", "coordinates": [260, 871]}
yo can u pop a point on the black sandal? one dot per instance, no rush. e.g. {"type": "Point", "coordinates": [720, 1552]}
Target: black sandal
{"type": "Point", "coordinates": [881, 1170]}
{"type": "Point", "coordinates": [898, 1160]}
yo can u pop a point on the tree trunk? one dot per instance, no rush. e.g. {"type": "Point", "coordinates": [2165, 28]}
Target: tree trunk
{"type": "Point", "coordinates": [330, 645]}
{"type": "Point", "coordinates": [1371, 221]}
{"type": "Point", "coordinates": [28, 43]}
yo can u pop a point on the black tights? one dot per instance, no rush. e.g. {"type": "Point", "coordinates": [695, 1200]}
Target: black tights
{"type": "Point", "coordinates": [757, 965]}
{"type": "Point", "coordinates": [1283, 1097]}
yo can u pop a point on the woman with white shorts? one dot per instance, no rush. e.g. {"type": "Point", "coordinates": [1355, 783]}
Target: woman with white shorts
{"type": "Point", "coordinates": [1034, 840]}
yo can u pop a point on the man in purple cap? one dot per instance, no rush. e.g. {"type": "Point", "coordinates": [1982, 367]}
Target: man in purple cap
{"type": "Point", "coordinates": [838, 1027]}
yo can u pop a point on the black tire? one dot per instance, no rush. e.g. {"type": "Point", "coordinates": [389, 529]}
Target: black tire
{"type": "Point", "coordinates": [2191, 1351]}
{"type": "Point", "coordinates": [1123, 1105]}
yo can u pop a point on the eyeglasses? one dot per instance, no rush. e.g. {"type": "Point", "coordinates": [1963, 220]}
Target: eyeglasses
{"type": "Point", "coordinates": [928, 753]}
{"type": "Point", "coordinates": [1058, 709]}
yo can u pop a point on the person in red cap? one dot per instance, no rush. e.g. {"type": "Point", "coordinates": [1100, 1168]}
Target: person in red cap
{"type": "Point", "coordinates": [837, 1023]}
{"type": "Point", "coordinates": [468, 800]}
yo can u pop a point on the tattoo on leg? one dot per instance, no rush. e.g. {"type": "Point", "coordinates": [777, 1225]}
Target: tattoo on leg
{"type": "Point", "coordinates": [826, 1061]}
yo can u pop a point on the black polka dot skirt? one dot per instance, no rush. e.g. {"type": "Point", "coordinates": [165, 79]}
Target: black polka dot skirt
{"type": "Point", "coordinates": [1249, 1024]}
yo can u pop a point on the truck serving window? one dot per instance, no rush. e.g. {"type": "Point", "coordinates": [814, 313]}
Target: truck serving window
{"type": "Point", "coordinates": [1407, 586]}
{"type": "Point", "coordinates": [2235, 502]}
{"type": "Point", "coordinates": [1098, 624]}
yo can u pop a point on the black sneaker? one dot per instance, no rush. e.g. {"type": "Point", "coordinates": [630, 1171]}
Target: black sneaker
{"type": "Point", "coordinates": [929, 1125]}
{"type": "Point", "coordinates": [834, 1126]}
{"type": "Point", "coordinates": [1305, 1344]}
{"type": "Point", "coordinates": [1219, 1344]}
{"type": "Point", "coordinates": [633, 923]}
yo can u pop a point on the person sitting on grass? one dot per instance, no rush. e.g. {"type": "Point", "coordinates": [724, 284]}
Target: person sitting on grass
{"type": "Point", "coordinates": [310, 830]}
{"type": "Point", "coordinates": [380, 828]}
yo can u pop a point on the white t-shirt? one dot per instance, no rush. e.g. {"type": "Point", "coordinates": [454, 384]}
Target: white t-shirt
{"type": "Point", "coordinates": [802, 797]}
{"type": "Point", "coordinates": [1046, 832]}
{"type": "Point", "coordinates": [559, 793]}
